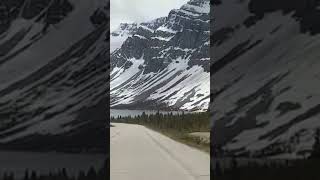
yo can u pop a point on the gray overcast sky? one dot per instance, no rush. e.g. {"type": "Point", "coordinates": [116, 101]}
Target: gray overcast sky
{"type": "Point", "coordinates": [140, 10]}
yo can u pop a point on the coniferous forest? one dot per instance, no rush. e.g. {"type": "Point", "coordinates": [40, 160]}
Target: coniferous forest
{"type": "Point", "coordinates": [289, 170]}
{"type": "Point", "coordinates": [62, 174]}
{"type": "Point", "coordinates": [175, 126]}
{"type": "Point", "coordinates": [281, 169]}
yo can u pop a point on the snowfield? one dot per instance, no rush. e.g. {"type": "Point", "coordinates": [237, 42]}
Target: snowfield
{"type": "Point", "coordinates": [265, 80]}
{"type": "Point", "coordinates": [163, 63]}
{"type": "Point", "coordinates": [52, 71]}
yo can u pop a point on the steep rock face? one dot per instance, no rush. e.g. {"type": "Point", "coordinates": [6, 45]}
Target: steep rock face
{"type": "Point", "coordinates": [53, 65]}
{"type": "Point", "coordinates": [118, 36]}
{"type": "Point", "coordinates": [48, 12]}
{"type": "Point", "coordinates": [164, 63]}
{"type": "Point", "coordinates": [265, 77]}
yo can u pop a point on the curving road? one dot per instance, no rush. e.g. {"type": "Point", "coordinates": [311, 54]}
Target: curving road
{"type": "Point", "coordinates": [138, 153]}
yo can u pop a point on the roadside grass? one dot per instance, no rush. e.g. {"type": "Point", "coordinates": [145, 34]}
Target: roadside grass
{"type": "Point", "coordinates": [177, 127]}
{"type": "Point", "coordinates": [185, 138]}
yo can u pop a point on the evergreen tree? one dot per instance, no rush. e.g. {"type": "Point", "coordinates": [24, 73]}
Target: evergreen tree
{"type": "Point", "coordinates": [26, 175]}
{"type": "Point", "coordinates": [64, 174]}
{"type": "Point", "coordinates": [11, 176]}
{"type": "Point", "coordinates": [33, 175]}
{"type": "Point", "coordinates": [218, 170]}
{"type": "Point", "coordinates": [92, 174]}
{"type": "Point", "coordinates": [5, 176]}
{"type": "Point", "coordinates": [316, 146]}
{"type": "Point", "coordinates": [81, 176]}
{"type": "Point", "coordinates": [102, 174]}
{"type": "Point", "coordinates": [234, 163]}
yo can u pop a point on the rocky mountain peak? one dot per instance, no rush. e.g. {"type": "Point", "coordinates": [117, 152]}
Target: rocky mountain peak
{"type": "Point", "coordinates": [164, 48]}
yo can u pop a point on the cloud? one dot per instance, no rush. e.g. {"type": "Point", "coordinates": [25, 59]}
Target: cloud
{"type": "Point", "coordinates": [140, 10]}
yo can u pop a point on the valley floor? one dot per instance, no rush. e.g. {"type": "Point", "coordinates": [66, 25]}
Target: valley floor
{"type": "Point", "coordinates": [138, 153]}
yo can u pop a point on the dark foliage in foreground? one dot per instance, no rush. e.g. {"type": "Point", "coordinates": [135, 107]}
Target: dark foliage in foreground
{"type": "Point", "coordinates": [296, 170]}
{"type": "Point", "coordinates": [62, 174]}
{"type": "Point", "coordinates": [303, 169]}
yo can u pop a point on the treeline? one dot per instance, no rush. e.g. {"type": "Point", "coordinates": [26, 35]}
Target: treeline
{"type": "Point", "coordinates": [184, 122]}
{"type": "Point", "coordinates": [91, 174]}
{"type": "Point", "coordinates": [175, 126]}
{"type": "Point", "coordinates": [289, 170]}
{"type": "Point", "coordinates": [299, 169]}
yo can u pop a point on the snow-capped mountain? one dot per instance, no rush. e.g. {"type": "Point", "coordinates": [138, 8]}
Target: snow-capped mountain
{"type": "Point", "coordinates": [53, 65]}
{"type": "Point", "coordinates": [163, 63]}
{"type": "Point", "coordinates": [265, 76]}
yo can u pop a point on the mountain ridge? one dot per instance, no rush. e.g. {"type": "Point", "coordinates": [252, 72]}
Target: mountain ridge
{"type": "Point", "coordinates": [264, 76]}
{"type": "Point", "coordinates": [158, 62]}
{"type": "Point", "coordinates": [53, 59]}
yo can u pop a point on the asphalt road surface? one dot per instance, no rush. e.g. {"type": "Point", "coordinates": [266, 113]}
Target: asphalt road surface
{"type": "Point", "coordinates": [138, 153]}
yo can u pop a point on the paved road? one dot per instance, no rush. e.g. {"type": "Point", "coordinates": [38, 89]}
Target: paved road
{"type": "Point", "coordinates": [138, 153]}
